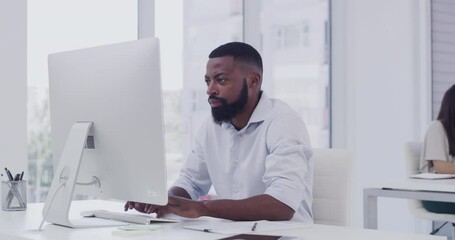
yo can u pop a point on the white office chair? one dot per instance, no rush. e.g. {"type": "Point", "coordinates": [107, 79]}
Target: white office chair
{"type": "Point", "coordinates": [412, 154]}
{"type": "Point", "coordinates": [332, 186]}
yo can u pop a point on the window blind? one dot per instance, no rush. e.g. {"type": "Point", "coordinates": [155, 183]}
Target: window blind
{"type": "Point", "coordinates": [443, 50]}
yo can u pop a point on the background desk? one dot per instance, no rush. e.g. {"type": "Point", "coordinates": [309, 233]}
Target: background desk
{"type": "Point", "coordinates": [418, 189]}
{"type": "Point", "coordinates": [24, 224]}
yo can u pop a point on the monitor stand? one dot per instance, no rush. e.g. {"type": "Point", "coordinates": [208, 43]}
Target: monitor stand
{"type": "Point", "coordinates": [58, 201]}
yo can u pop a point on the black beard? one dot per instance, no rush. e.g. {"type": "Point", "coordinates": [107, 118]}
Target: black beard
{"type": "Point", "coordinates": [227, 111]}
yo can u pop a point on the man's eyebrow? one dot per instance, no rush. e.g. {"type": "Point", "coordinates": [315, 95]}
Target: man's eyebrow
{"type": "Point", "coordinates": [217, 74]}
{"type": "Point", "coordinates": [220, 73]}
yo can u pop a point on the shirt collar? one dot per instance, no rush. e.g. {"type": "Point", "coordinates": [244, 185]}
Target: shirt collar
{"type": "Point", "coordinates": [259, 114]}
{"type": "Point", "coordinates": [262, 109]}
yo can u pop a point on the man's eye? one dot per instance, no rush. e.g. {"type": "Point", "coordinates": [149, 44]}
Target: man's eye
{"type": "Point", "coordinates": [221, 80]}
{"type": "Point", "coordinates": [207, 82]}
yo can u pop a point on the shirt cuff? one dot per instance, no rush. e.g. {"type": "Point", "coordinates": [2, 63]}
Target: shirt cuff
{"type": "Point", "coordinates": [187, 188]}
{"type": "Point", "coordinates": [290, 196]}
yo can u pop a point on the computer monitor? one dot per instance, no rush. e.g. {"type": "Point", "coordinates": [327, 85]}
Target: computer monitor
{"type": "Point", "coordinates": [107, 126]}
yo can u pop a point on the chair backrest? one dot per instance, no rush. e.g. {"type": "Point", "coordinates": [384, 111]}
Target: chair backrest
{"type": "Point", "coordinates": [412, 151]}
{"type": "Point", "coordinates": [332, 186]}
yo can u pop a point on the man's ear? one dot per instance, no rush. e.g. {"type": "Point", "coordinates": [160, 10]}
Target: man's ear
{"type": "Point", "coordinates": [254, 80]}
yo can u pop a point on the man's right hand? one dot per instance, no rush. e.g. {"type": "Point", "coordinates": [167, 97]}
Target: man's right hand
{"type": "Point", "coordinates": [146, 208]}
{"type": "Point", "coordinates": [159, 210]}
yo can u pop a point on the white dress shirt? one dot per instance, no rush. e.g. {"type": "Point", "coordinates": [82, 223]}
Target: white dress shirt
{"type": "Point", "coordinates": [270, 155]}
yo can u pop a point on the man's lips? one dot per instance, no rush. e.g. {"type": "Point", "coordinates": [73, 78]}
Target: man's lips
{"type": "Point", "coordinates": [214, 102]}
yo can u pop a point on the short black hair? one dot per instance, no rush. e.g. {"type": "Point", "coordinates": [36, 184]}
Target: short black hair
{"type": "Point", "coordinates": [240, 51]}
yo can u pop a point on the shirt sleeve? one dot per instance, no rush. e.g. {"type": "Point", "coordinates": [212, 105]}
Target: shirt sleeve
{"type": "Point", "coordinates": [289, 170]}
{"type": "Point", "coordinates": [194, 176]}
{"type": "Point", "coordinates": [436, 147]}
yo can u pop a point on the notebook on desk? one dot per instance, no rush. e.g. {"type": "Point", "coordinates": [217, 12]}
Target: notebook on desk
{"type": "Point", "coordinates": [432, 176]}
{"type": "Point", "coordinates": [239, 227]}
{"type": "Point", "coordinates": [138, 218]}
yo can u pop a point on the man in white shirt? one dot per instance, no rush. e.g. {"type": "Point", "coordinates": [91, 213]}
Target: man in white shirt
{"type": "Point", "coordinates": [254, 150]}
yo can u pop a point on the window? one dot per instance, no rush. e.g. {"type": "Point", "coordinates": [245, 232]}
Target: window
{"type": "Point", "coordinates": [294, 38]}
{"type": "Point", "coordinates": [443, 50]}
{"type": "Point", "coordinates": [188, 31]}
{"type": "Point", "coordinates": [55, 26]}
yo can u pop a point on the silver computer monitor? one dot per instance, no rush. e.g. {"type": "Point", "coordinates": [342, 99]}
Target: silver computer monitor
{"type": "Point", "coordinates": [107, 126]}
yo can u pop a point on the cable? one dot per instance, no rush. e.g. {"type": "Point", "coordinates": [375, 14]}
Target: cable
{"type": "Point", "coordinates": [50, 204]}
{"type": "Point", "coordinates": [437, 229]}
{"type": "Point", "coordinates": [94, 181]}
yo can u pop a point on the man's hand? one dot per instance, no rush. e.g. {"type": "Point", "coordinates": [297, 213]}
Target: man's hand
{"type": "Point", "coordinates": [177, 205]}
{"type": "Point", "coordinates": [159, 210]}
{"type": "Point", "coordinates": [185, 207]}
{"type": "Point", "coordinates": [146, 208]}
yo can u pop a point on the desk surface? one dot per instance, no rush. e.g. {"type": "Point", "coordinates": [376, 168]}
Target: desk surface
{"type": "Point", "coordinates": [435, 185]}
{"type": "Point", "coordinates": [419, 189]}
{"type": "Point", "coordinates": [24, 225]}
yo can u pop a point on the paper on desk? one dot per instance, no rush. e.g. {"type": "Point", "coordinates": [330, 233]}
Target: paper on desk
{"type": "Point", "coordinates": [135, 230]}
{"type": "Point", "coordinates": [432, 176]}
{"type": "Point", "coordinates": [243, 227]}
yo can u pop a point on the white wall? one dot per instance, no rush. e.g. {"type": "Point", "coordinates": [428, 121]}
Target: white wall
{"type": "Point", "coordinates": [13, 82]}
{"type": "Point", "coordinates": [379, 79]}
{"type": "Point", "coordinates": [146, 18]}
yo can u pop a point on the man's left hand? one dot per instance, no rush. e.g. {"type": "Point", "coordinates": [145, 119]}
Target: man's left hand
{"type": "Point", "coordinates": [185, 207]}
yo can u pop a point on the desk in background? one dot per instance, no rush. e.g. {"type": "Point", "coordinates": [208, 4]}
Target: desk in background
{"type": "Point", "coordinates": [24, 224]}
{"type": "Point", "coordinates": [418, 189]}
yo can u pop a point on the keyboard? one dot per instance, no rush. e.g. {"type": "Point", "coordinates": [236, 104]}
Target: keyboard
{"type": "Point", "coordinates": [138, 218]}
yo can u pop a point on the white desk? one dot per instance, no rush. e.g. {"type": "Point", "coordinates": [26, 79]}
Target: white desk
{"type": "Point", "coordinates": [24, 224]}
{"type": "Point", "coordinates": [418, 189]}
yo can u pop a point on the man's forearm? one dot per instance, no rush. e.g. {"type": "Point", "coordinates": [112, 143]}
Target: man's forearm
{"type": "Point", "coordinates": [261, 207]}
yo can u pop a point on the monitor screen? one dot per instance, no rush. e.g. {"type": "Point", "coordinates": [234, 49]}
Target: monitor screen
{"type": "Point", "coordinates": [117, 90]}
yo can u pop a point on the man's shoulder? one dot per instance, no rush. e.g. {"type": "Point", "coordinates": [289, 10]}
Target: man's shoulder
{"type": "Point", "coordinates": [281, 108]}
{"type": "Point", "coordinates": [279, 104]}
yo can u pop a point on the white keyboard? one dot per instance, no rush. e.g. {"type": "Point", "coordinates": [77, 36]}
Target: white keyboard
{"type": "Point", "coordinates": [139, 218]}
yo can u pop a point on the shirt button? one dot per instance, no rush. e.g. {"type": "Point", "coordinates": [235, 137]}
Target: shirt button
{"type": "Point", "coordinates": [236, 190]}
{"type": "Point", "coordinates": [236, 161]}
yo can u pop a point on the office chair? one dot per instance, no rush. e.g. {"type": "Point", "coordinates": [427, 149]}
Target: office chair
{"type": "Point", "coordinates": [412, 155]}
{"type": "Point", "coordinates": [332, 186]}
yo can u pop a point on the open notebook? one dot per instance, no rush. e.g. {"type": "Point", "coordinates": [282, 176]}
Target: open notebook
{"type": "Point", "coordinates": [138, 218]}
{"type": "Point", "coordinates": [239, 227]}
{"type": "Point", "coordinates": [432, 176]}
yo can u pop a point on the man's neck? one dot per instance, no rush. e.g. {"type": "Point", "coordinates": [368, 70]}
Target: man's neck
{"type": "Point", "coordinates": [241, 120]}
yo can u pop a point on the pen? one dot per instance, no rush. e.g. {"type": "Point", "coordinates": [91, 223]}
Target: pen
{"type": "Point", "coordinates": [22, 175]}
{"type": "Point", "coordinates": [10, 177]}
{"type": "Point", "coordinates": [16, 178]}
{"type": "Point", "coordinates": [254, 227]}
{"type": "Point", "coordinates": [14, 192]}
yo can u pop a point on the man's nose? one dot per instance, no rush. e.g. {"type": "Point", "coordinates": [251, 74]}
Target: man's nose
{"type": "Point", "coordinates": [212, 88]}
